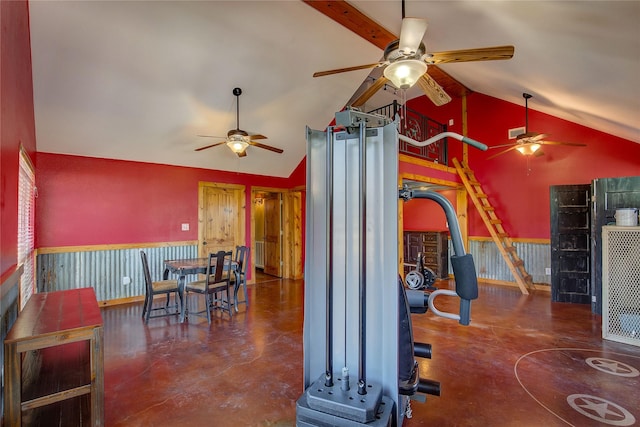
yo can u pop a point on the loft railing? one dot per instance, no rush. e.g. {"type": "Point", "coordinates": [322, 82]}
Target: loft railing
{"type": "Point", "coordinates": [419, 127]}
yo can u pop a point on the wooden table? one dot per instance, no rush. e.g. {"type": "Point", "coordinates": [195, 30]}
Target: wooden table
{"type": "Point", "coordinates": [70, 321]}
{"type": "Point", "coordinates": [183, 267]}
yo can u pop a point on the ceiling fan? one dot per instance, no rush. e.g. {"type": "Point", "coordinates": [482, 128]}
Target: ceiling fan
{"type": "Point", "coordinates": [529, 143]}
{"type": "Point", "coordinates": [237, 139]}
{"type": "Point", "coordinates": [406, 62]}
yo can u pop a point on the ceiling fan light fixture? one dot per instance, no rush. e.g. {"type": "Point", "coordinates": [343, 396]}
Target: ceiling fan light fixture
{"type": "Point", "coordinates": [405, 73]}
{"type": "Point", "coordinates": [528, 149]}
{"type": "Point", "coordinates": [237, 143]}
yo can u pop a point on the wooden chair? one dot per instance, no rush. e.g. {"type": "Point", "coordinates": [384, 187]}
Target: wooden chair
{"type": "Point", "coordinates": [160, 287]}
{"type": "Point", "coordinates": [217, 280]}
{"type": "Point", "coordinates": [239, 278]}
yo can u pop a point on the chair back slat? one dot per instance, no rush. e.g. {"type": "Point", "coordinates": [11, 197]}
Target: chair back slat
{"type": "Point", "coordinates": [145, 270]}
{"type": "Point", "coordinates": [242, 258]}
{"type": "Point", "coordinates": [217, 262]}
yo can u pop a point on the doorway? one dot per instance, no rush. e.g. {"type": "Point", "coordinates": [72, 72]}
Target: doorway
{"type": "Point", "coordinates": [276, 232]}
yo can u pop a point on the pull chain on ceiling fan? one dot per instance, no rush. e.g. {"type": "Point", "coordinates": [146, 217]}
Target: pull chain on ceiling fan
{"type": "Point", "coordinates": [237, 139]}
{"type": "Point", "coordinates": [529, 143]}
{"type": "Point", "coordinates": [406, 62]}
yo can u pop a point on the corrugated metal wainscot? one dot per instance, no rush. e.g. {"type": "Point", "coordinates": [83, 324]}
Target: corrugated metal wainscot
{"type": "Point", "coordinates": [490, 264]}
{"type": "Point", "coordinates": [106, 270]}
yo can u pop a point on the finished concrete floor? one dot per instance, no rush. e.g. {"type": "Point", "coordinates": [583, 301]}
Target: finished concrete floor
{"type": "Point", "coordinates": [523, 361]}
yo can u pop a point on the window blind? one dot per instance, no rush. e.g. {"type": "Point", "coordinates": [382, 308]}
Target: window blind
{"type": "Point", "coordinates": [26, 217]}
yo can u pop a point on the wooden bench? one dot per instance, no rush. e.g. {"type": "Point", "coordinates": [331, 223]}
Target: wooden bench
{"type": "Point", "coordinates": [53, 361]}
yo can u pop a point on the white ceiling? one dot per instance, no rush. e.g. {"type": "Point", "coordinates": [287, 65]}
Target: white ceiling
{"type": "Point", "coordinates": [139, 80]}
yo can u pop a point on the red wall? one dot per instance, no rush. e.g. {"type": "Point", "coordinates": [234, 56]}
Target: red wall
{"type": "Point", "coordinates": [426, 215]}
{"type": "Point", "coordinates": [90, 201]}
{"type": "Point", "coordinates": [16, 119]}
{"type": "Point", "coordinates": [518, 186]}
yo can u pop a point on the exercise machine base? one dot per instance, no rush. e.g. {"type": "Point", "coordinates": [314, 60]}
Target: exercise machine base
{"type": "Point", "coordinates": [307, 417]}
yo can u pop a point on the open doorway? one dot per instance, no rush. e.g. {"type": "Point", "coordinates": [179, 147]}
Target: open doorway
{"type": "Point", "coordinates": [276, 233]}
{"type": "Point", "coordinates": [268, 233]}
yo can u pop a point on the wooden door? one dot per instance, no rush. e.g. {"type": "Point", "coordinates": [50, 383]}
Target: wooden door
{"type": "Point", "coordinates": [272, 235]}
{"type": "Point", "coordinates": [292, 266]}
{"type": "Point", "coordinates": [221, 218]}
{"type": "Point", "coordinates": [571, 243]}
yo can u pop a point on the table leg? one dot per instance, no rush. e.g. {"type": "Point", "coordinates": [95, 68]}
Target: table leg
{"type": "Point", "coordinates": [183, 302]}
{"type": "Point", "coordinates": [13, 385]}
{"type": "Point", "coordinates": [97, 377]}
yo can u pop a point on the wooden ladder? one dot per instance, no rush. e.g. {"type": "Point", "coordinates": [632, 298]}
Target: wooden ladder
{"type": "Point", "coordinates": [494, 225]}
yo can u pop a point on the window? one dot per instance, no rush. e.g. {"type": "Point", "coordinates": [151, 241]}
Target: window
{"type": "Point", "coordinates": [26, 216]}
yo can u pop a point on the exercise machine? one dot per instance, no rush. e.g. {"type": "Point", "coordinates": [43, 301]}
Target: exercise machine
{"type": "Point", "coordinates": [359, 366]}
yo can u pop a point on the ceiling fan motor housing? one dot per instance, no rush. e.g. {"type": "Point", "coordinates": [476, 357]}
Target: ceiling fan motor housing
{"type": "Point", "coordinates": [239, 132]}
{"type": "Point", "coordinates": [392, 52]}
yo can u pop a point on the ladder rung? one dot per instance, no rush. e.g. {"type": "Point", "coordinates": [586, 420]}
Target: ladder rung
{"type": "Point", "coordinates": [510, 249]}
{"type": "Point", "coordinates": [474, 182]}
{"type": "Point", "coordinates": [495, 221]}
{"type": "Point", "coordinates": [528, 279]}
{"type": "Point", "coordinates": [489, 208]}
{"type": "Point", "coordinates": [481, 195]}
{"type": "Point", "coordinates": [502, 235]}
{"type": "Point", "coordinates": [518, 263]}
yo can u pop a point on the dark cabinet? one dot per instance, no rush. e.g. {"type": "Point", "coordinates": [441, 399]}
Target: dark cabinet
{"type": "Point", "coordinates": [435, 248]}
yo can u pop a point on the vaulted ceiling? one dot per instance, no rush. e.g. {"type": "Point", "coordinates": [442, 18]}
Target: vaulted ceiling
{"type": "Point", "coordinates": [141, 80]}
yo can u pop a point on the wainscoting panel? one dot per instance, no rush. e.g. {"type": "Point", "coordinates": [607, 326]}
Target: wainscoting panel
{"type": "Point", "coordinates": [9, 305]}
{"type": "Point", "coordinates": [106, 270]}
{"type": "Point", "coordinates": [490, 265]}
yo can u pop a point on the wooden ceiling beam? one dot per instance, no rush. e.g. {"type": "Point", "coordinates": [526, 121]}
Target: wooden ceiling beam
{"type": "Point", "coordinates": [352, 19]}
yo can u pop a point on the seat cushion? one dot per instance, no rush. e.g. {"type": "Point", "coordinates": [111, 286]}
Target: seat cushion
{"type": "Point", "coordinates": [164, 285]}
{"type": "Point", "coordinates": [198, 285]}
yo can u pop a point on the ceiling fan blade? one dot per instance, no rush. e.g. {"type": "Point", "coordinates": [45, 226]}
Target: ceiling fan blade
{"type": "Point", "coordinates": [257, 136]}
{"type": "Point", "coordinates": [411, 35]}
{"type": "Point", "coordinates": [469, 55]}
{"type": "Point", "coordinates": [502, 145]}
{"type": "Point", "coordinates": [538, 153]}
{"type": "Point", "coordinates": [212, 136]}
{"type": "Point", "coordinates": [504, 151]}
{"type": "Point", "coordinates": [433, 90]}
{"type": "Point", "coordinates": [210, 146]}
{"type": "Point", "coordinates": [344, 70]}
{"type": "Point", "coordinates": [377, 85]}
{"type": "Point", "coordinates": [573, 144]}
{"type": "Point", "coordinates": [266, 147]}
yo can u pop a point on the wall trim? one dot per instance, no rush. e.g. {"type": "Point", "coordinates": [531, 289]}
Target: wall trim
{"type": "Point", "coordinates": [404, 158]}
{"type": "Point", "coordinates": [515, 239]}
{"type": "Point", "coordinates": [90, 248]}
{"type": "Point", "coordinates": [537, 286]}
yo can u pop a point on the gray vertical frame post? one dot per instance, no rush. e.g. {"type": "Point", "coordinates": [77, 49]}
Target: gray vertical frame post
{"type": "Point", "coordinates": [378, 231]}
{"type": "Point", "coordinates": [328, 374]}
{"type": "Point", "coordinates": [362, 261]}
